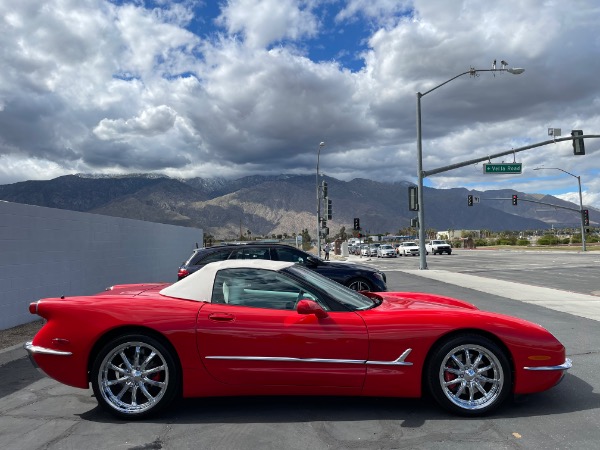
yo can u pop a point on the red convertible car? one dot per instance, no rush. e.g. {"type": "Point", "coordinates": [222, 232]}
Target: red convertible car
{"type": "Point", "coordinates": [256, 327]}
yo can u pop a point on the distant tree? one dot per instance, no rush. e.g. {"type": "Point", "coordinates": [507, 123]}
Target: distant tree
{"type": "Point", "coordinates": [306, 240]}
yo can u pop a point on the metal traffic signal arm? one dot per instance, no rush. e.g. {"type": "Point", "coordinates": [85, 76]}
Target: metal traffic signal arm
{"type": "Point", "coordinates": [582, 212]}
{"type": "Point", "coordinates": [513, 198]}
{"type": "Point", "coordinates": [427, 173]}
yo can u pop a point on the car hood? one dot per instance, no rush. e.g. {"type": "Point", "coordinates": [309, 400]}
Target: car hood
{"type": "Point", "coordinates": [416, 300]}
{"type": "Point", "coordinates": [346, 265]}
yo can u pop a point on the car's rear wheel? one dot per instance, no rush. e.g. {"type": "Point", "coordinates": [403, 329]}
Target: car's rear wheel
{"type": "Point", "coordinates": [134, 376]}
{"type": "Point", "coordinates": [469, 375]}
{"type": "Point", "coordinates": [360, 284]}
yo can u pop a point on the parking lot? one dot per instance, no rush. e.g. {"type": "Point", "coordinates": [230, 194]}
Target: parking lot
{"type": "Point", "coordinates": [543, 287]}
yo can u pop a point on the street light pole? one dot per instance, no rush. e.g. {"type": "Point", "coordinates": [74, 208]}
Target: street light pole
{"type": "Point", "coordinates": [321, 145]}
{"type": "Point", "coordinates": [420, 172]}
{"type": "Point", "coordinates": [583, 248]}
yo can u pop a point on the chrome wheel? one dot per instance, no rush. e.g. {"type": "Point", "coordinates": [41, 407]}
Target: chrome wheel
{"type": "Point", "coordinates": [469, 375]}
{"type": "Point", "coordinates": [360, 285]}
{"type": "Point", "coordinates": [133, 377]}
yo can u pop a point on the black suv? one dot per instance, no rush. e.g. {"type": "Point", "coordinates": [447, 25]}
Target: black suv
{"type": "Point", "coordinates": [355, 276]}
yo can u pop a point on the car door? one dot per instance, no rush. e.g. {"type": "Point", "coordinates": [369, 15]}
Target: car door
{"type": "Point", "coordinates": [252, 334]}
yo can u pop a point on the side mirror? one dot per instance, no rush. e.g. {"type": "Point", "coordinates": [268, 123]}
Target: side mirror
{"type": "Point", "coordinates": [312, 261]}
{"type": "Point", "coordinates": [306, 306]}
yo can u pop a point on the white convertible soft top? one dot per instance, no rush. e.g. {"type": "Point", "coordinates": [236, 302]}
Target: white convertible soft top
{"type": "Point", "coordinates": [199, 285]}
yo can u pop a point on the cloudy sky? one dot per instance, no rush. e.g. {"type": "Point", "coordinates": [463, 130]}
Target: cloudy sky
{"type": "Point", "coordinates": [240, 87]}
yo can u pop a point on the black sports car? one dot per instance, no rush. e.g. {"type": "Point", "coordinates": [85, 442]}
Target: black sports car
{"type": "Point", "coordinates": [355, 276]}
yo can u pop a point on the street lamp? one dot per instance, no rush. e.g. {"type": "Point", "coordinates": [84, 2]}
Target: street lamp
{"type": "Point", "coordinates": [321, 145]}
{"type": "Point", "coordinates": [421, 212]}
{"type": "Point", "coordinates": [580, 200]}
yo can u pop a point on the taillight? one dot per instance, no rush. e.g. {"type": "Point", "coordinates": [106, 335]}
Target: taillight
{"type": "Point", "coordinates": [33, 307]}
{"type": "Point", "coordinates": [182, 273]}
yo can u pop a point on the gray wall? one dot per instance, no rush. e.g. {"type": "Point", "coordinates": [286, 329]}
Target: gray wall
{"type": "Point", "coordinates": [47, 252]}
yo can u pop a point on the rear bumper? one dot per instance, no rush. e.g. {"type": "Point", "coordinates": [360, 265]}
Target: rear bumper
{"type": "Point", "coordinates": [36, 350]}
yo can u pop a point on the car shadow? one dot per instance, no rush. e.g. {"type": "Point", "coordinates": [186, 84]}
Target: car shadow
{"type": "Point", "coordinates": [572, 395]}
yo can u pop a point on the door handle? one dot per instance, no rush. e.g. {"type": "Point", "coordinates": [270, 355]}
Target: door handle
{"type": "Point", "coordinates": [221, 317]}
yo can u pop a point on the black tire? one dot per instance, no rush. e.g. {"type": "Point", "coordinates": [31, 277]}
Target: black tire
{"type": "Point", "coordinates": [135, 376]}
{"type": "Point", "coordinates": [469, 375]}
{"type": "Point", "coordinates": [359, 284]}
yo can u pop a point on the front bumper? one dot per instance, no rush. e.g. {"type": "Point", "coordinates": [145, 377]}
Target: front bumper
{"type": "Point", "coordinates": [564, 366]}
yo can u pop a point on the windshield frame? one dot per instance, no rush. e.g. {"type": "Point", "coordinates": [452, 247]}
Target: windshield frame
{"type": "Point", "coordinates": [348, 298]}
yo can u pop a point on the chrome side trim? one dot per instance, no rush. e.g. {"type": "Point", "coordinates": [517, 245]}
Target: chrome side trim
{"type": "Point", "coordinates": [287, 359]}
{"type": "Point", "coordinates": [398, 362]}
{"type": "Point", "coordinates": [44, 351]}
{"type": "Point", "coordinates": [564, 366]}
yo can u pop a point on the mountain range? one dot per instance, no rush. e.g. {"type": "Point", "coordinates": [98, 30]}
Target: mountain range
{"type": "Point", "coordinates": [267, 205]}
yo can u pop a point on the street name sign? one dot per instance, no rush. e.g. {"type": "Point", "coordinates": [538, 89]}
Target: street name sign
{"type": "Point", "coordinates": [503, 168]}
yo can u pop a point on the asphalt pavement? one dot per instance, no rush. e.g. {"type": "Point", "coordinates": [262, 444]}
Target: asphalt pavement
{"type": "Point", "coordinates": [557, 291]}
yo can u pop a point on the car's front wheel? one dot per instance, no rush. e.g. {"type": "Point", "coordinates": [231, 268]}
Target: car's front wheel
{"type": "Point", "coordinates": [134, 376]}
{"type": "Point", "coordinates": [360, 284]}
{"type": "Point", "coordinates": [469, 375]}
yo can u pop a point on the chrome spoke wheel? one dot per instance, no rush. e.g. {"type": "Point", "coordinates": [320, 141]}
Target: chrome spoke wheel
{"type": "Point", "coordinates": [469, 374]}
{"type": "Point", "coordinates": [133, 377]}
{"type": "Point", "coordinates": [359, 285]}
{"type": "Point", "coordinates": [471, 377]}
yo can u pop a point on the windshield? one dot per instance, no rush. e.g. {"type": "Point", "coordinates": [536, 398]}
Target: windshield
{"type": "Point", "coordinates": [346, 296]}
{"type": "Point", "coordinates": [409, 244]}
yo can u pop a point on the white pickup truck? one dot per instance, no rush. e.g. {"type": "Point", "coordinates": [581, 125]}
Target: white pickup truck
{"type": "Point", "coordinates": [436, 246]}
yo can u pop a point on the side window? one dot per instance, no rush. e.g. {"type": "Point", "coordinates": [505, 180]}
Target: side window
{"type": "Point", "coordinates": [220, 255]}
{"type": "Point", "coordinates": [251, 253]}
{"type": "Point", "coordinates": [258, 288]}
{"type": "Point", "coordinates": [290, 255]}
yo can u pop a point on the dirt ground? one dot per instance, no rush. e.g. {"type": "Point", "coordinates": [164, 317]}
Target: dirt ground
{"type": "Point", "coordinates": [19, 334]}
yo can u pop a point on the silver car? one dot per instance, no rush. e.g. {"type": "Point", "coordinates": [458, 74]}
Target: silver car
{"type": "Point", "coordinates": [373, 249]}
{"type": "Point", "coordinates": [386, 251]}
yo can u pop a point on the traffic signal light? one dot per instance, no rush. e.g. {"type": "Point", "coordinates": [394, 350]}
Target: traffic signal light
{"type": "Point", "coordinates": [329, 210]}
{"type": "Point", "coordinates": [515, 199]}
{"type": "Point", "coordinates": [356, 223]}
{"type": "Point", "coordinates": [469, 200]}
{"type": "Point", "coordinates": [324, 189]}
{"type": "Point", "coordinates": [578, 147]}
{"type": "Point", "coordinates": [413, 200]}
{"type": "Point", "coordinates": [586, 217]}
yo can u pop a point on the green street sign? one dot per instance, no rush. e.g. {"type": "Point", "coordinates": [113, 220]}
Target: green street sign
{"type": "Point", "coordinates": [503, 168]}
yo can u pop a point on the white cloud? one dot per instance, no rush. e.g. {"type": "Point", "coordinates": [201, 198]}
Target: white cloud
{"type": "Point", "coordinates": [151, 122]}
{"type": "Point", "coordinates": [264, 22]}
{"type": "Point", "coordinates": [99, 86]}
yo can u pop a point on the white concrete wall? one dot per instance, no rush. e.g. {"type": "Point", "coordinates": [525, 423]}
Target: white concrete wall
{"type": "Point", "coordinates": [47, 252]}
